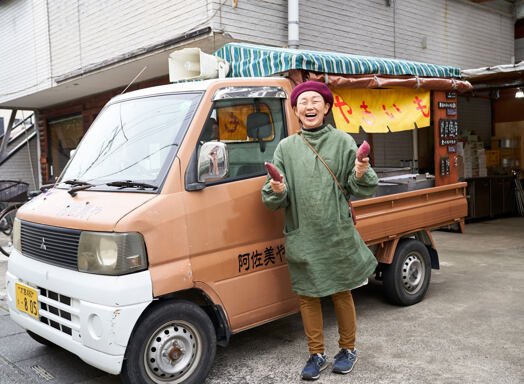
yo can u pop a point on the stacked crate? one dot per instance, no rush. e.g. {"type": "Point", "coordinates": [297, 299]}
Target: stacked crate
{"type": "Point", "coordinates": [474, 157]}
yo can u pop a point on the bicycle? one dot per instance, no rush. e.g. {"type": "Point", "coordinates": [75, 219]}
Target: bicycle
{"type": "Point", "coordinates": [12, 195]}
{"type": "Point", "coordinates": [519, 192]}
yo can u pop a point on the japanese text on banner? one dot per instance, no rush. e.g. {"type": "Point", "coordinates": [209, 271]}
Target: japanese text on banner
{"type": "Point", "coordinates": [381, 110]}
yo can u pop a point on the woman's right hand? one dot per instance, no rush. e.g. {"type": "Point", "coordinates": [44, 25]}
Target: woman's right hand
{"type": "Point", "coordinates": [277, 186]}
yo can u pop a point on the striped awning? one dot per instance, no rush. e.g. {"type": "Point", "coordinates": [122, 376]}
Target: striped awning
{"type": "Point", "coordinates": [248, 60]}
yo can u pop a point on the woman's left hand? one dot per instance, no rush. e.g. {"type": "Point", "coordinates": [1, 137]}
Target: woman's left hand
{"type": "Point", "coordinates": [361, 167]}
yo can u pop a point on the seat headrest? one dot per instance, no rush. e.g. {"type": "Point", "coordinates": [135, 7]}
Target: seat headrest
{"type": "Point", "coordinates": [258, 125]}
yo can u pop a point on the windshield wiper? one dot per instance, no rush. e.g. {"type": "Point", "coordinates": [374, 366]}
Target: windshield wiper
{"type": "Point", "coordinates": [79, 187]}
{"type": "Point", "coordinates": [76, 182]}
{"type": "Point", "coordinates": [131, 184]}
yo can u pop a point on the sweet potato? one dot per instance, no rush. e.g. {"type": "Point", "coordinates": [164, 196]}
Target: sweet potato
{"type": "Point", "coordinates": [363, 150]}
{"type": "Point", "coordinates": [273, 172]}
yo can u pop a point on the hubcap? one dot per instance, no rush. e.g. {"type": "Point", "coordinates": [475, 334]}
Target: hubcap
{"type": "Point", "coordinates": [172, 353]}
{"type": "Point", "coordinates": [413, 273]}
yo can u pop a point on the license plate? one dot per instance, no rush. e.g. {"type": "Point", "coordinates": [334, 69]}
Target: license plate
{"type": "Point", "coordinates": [27, 300]}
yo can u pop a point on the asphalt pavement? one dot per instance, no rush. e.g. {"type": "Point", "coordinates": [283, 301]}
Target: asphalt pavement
{"type": "Point", "coordinates": [468, 329]}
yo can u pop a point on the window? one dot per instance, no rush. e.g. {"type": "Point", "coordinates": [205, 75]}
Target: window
{"type": "Point", "coordinates": [64, 136]}
{"type": "Point", "coordinates": [251, 128]}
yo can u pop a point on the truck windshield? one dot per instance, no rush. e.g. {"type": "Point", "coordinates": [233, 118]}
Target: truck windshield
{"type": "Point", "coordinates": [132, 141]}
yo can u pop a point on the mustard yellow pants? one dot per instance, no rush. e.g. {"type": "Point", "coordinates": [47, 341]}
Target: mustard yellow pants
{"type": "Point", "coordinates": [311, 311]}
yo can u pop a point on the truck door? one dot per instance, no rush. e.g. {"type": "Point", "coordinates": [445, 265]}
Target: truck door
{"type": "Point", "coordinates": [236, 244]}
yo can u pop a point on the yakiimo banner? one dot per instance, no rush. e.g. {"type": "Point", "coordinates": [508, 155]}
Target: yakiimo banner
{"type": "Point", "coordinates": [380, 110]}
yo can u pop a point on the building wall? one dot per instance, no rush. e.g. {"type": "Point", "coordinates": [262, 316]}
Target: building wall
{"type": "Point", "coordinates": [246, 23]}
{"type": "Point", "coordinates": [43, 40]}
{"type": "Point", "coordinates": [456, 32]}
{"type": "Point", "coordinates": [24, 46]}
{"type": "Point", "coordinates": [87, 32]}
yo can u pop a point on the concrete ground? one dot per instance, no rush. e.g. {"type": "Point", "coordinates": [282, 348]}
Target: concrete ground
{"type": "Point", "coordinates": [468, 329]}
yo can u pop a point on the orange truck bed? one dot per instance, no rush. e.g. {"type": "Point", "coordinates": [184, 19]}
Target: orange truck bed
{"type": "Point", "coordinates": [386, 218]}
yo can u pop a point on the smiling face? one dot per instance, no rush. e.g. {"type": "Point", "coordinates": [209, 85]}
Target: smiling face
{"type": "Point", "coordinates": [311, 109]}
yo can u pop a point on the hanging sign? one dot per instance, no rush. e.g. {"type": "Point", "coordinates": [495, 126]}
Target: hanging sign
{"type": "Point", "coordinates": [447, 105]}
{"type": "Point", "coordinates": [448, 141]}
{"type": "Point", "coordinates": [448, 127]}
{"type": "Point", "coordinates": [380, 110]}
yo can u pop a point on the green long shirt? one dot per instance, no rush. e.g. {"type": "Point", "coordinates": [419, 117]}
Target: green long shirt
{"type": "Point", "coordinates": [324, 251]}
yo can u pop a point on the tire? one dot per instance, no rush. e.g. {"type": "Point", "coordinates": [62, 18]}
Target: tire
{"type": "Point", "coordinates": [406, 280]}
{"type": "Point", "coordinates": [40, 339]}
{"type": "Point", "coordinates": [7, 218]}
{"type": "Point", "coordinates": [157, 350]}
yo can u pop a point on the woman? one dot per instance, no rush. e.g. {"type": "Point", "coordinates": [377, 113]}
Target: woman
{"type": "Point", "coordinates": [325, 254]}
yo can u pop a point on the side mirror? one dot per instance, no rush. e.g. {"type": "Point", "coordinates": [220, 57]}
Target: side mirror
{"type": "Point", "coordinates": [213, 161]}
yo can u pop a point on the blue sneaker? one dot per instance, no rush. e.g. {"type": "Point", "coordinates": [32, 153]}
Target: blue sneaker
{"type": "Point", "coordinates": [315, 364]}
{"type": "Point", "coordinates": [344, 361]}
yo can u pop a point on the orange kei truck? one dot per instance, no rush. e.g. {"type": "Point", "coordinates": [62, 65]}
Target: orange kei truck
{"type": "Point", "coordinates": [154, 246]}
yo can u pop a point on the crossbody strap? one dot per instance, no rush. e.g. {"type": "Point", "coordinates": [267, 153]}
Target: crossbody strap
{"type": "Point", "coordinates": [323, 162]}
{"type": "Point", "coordinates": [353, 215]}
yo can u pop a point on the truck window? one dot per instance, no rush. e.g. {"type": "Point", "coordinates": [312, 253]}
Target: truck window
{"type": "Point", "coordinates": [133, 140]}
{"type": "Point", "coordinates": [251, 128]}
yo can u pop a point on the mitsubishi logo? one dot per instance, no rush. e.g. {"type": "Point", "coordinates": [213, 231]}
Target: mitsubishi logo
{"type": "Point", "coordinates": [42, 246]}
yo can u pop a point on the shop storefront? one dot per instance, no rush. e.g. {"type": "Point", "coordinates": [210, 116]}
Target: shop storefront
{"type": "Point", "coordinates": [491, 118]}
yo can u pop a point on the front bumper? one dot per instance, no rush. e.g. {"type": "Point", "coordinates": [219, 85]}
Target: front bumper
{"type": "Point", "coordinates": [89, 315]}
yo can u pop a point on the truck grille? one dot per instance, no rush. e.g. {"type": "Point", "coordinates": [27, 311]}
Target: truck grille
{"type": "Point", "coordinates": [52, 245]}
{"type": "Point", "coordinates": [56, 310]}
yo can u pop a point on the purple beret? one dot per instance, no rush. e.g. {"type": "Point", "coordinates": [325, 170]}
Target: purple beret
{"type": "Point", "coordinates": [316, 86]}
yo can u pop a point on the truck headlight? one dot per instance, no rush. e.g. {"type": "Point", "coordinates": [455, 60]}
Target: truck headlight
{"type": "Point", "coordinates": [111, 253]}
{"type": "Point", "coordinates": [17, 243]}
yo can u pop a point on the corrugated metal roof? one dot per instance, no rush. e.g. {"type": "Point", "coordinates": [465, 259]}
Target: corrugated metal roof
{"type": "Point", "coordinates": [500, 76]}
{"type": "Point", "coordinates": [487, 71]}
{"type": "Point", "coordinates": [248, 60]}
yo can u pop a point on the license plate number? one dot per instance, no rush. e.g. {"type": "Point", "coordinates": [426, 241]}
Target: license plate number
{"type": "Point", "coordinates": [27, 300]}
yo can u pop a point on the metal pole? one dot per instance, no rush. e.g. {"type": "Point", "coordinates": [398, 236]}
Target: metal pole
{"type": "Point", "coordinates": [415, 150]}
{"type": "Point", "coordinates": [7, 133]}
{"type": "Point", "coordinates": [292, 24]}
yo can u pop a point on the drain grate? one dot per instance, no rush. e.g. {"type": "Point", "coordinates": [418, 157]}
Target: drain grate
{"type": "Point", "coordinates": [40, 371]}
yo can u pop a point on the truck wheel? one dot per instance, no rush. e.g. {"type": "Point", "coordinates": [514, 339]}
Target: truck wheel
{"type": "Point", "coordinates": [174, 343]}
{"type": "Point", "coordinates": [406, 280]}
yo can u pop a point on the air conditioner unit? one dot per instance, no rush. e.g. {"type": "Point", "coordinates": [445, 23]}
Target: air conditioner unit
{"type": "Point", "coordinates": [193, 64]}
